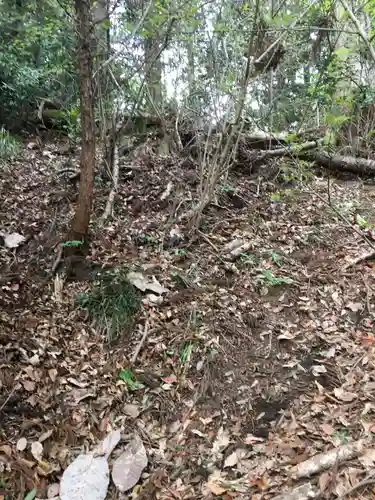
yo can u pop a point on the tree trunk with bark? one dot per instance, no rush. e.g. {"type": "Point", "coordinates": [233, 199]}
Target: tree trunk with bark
{"type": "Point", "coordinates": [80, 224]}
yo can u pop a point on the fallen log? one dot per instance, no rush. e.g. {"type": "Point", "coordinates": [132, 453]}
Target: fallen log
{"type": "Point", "coordinates": [352, 164]}
{"type": "Point", "coordinates": [337, 163]}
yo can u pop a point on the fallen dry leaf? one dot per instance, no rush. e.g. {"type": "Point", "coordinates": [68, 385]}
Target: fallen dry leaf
{"type": "Point", "coordinates": [21, 444]}
{"type": "Point", "coordinates": [221, 442]}
{"type": "Point", "coordinates": [37, 450]}
{"type": "Point", "coordinates": [324, 481]}
{"type": "Point", "coordinates": [327, 429]}
{"type": "Point", "coordinates": [87, 478]}
{"type": "Point", "coordinates": [343, 395]}
{"type": "Point", "coordinates": [128, 467]}
{"type": "Point", "coordinates": [131, 410]}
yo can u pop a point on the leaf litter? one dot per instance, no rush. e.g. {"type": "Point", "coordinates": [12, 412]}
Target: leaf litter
{"type": "Point", "coordinates": [257, 365]}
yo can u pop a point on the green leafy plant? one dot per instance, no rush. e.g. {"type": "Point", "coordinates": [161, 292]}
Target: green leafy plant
{"type": "Point", "coordinates": [31, 495]}
{"type": "Point", "coordinates": [131, 382]}
{"type": "Point", "coordinates": [275, 197]}
{"type": "Point", "coordinates": [362, 223]}
{"type": "Point", "coordinates": [348, 207]}
{"type": "Point", "coordinates": [71, 243]}
{"type": "Point", "coordinates": [71, 121]}
{"type": "Point", "coordinates": [269, 279]}
{"type": "Point", "coordinates": [186, 352]}
{"type": "Point", "coordinates": [10, 146]}
{"type": "Point", "coordinates": [195, 319]}
{"type": "Point", "coordinates": [147, 239]}
{"type": "Point", "coordinates": [276, 258]}
{"type": "Point", "coordinates": [248, 260]}
{"type": "Point", "coordinates": [113, 303]}
{"type": "Point", "coordinates": [226, 188]}
{"type": "Point", "coordinates": [341, 436]}
{"type": "Point", "coordinates": [181, 280]}
{"type": "Point", "coordinates": [179, 251]}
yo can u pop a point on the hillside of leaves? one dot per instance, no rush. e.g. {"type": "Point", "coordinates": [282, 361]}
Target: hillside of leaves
{"type": "Point", "coordinates": [250, 352]}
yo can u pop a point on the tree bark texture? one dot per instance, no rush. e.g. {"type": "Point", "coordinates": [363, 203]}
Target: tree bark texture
{"type": "Point", "coordinates": [80, 224]}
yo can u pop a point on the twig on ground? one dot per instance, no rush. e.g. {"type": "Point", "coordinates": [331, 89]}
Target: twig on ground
{"type": "Point", "coordinates": [350, 225]}
{"type": "Point", "coordinates": [366, 482]}
{"type": "Point", "coordinates": [140, 343]}
{"type": "Point", "coordinates": [8, 398]}
{"type": "Point", "coordinates": [368, 294]}
{"type": "Point", "coordinates": [207, 239]}
{"type": "Point", "coordinates": [57, 260]}
{"type": "Point", "coordinates": [361, 258]}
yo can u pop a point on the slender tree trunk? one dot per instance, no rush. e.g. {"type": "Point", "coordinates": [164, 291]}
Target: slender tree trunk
{"type": "Point", "coordinates": [154, 77]}
{"type": "Point", "coordinates": [80, 224]}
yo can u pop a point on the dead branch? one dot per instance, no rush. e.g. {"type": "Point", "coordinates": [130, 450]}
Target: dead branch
{"type": "Point", "coordinates": [112, 195]}
{"type": "Point", "coordinates": [140, 344]}
{"type": "Point", "coordinates": [57, 260]}
{"type": "Point", "coordinates": [361, 31]}
{"type": "Point", "coordinates": [370, 480]}
{"type": "Point", "coordinates": [287, 151]}
{"type": "Point", "coordinates": [324, 461]}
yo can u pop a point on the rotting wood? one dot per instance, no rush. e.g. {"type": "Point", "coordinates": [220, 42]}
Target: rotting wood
{"type": "Point", "coordinates": [345, 163]}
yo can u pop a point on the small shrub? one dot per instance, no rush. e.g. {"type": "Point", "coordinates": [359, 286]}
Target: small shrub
{"type": "Point", "coordinates": [113, 303]}
{"type": "Point", "coordinates": [10, 146]}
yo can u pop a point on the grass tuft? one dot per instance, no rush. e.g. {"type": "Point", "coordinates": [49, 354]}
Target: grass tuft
{"type": "Point", "coordinates": [112, 303]}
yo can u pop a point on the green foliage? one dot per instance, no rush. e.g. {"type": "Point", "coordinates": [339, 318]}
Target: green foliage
{"type": "Point", "coordinates": [147, 239]}
{"type": "Point", "coordinates": [248, 260]}
{"type": "Point", "coordinates": [362, 223]}
{"type": "Point", "coordinates": [36, 58]}
{"type": "Point", "coordinates": [186, 352]}
{"type": "Point", "coordinates": [293, 173]}
{"type": "Point", "coordinates": [131, 382]}
{"type": "Point", "coordinates": [179, 251]}
{"type": "Point", "coordinates": [274, 197]}
{"type": "Point", "coordinates": [71, 243]}
{"type": "Point", "coordinates": [10, 146]}
{"type": "Point", "coordinates": [269, 279]}
{"type": "Point", "coordinates": [276, 258]}
{"type": "Point", "coordinates": [113, 302]}
{"type": "Point", "coordinates": [71, 121]}
{"type": "Point", "coordinates": [226, 188]}
{"type": "Point", "coordinates": [336, 121]}
{"type": "Point", "coordinates": [31, 495]}
{"type": "Point", "coordinates": [180, 281]}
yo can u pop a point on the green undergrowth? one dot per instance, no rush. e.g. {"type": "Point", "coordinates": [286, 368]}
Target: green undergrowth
{"type": "Point", "coordinates": [10, 146]}
{"type": "Point", "coordinates": [112, 302]}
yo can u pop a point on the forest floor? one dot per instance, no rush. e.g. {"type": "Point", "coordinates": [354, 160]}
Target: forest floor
{"type": "Point", "coordinates": [250, 368]}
